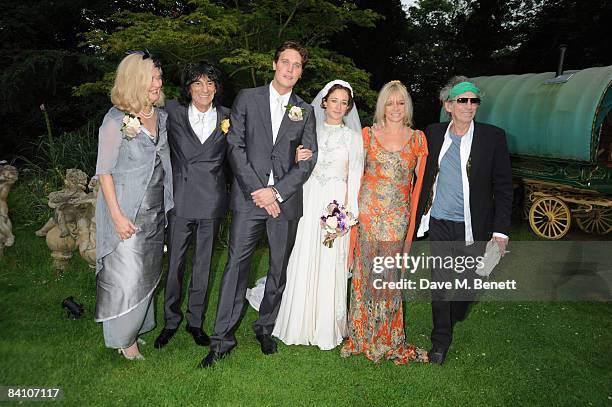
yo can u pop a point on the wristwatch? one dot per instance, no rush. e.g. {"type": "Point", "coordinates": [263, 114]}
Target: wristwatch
{"type": "Point", "coordinates": [276, 194]}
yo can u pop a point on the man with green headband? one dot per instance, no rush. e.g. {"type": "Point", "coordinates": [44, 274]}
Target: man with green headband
{"type": "Point", "coordinates": [465, 201]}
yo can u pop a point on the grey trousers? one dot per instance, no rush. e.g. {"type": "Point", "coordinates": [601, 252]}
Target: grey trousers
{"type": "Point", "coordinates": [245, 232]}
{"type": "Point", "coordinates": [180, 232]}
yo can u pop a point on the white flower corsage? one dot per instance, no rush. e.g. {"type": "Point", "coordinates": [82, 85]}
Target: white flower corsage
{"type": "Point", "coordinates": [131, 126]}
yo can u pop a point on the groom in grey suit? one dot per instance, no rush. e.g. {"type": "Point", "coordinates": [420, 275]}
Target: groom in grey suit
{"type": "Point", "coordinates": [197, 128]}
{"type": "Point", "coordinates": [268, 123]}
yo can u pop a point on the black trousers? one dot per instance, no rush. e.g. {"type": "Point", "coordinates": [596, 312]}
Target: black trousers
{"type": "Point", "coordinates": [245, 232]}
{"type": "Point", "coordinates": [447, 240]}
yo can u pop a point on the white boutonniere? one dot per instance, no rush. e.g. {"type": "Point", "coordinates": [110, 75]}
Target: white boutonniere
{"type": "Point", "coordinates": [295, 113]}
{"type": "Point", "coordinates": [225, 125]}
{"type": "Point", "coordinates": [131, 126]}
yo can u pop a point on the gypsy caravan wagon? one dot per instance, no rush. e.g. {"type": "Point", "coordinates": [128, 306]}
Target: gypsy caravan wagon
{"type": "Point", "coordinates": [559, 132]}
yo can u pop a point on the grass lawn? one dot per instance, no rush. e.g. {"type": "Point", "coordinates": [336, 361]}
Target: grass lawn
{"type": "Point", "coordinates": [505, 353]}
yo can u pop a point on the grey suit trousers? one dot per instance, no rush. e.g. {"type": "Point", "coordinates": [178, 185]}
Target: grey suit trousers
{"type": "Point", "coordinates": [180, 231]}
{"type": "Point", "coordinates": [246, 230]}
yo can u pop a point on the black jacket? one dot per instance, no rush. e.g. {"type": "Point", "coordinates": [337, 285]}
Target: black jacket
{"type": "Point", "coordinates": [489, 175]}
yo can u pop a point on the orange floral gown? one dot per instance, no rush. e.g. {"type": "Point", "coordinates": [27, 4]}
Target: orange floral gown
{"type": "Point", "coordinates": [387, 208]}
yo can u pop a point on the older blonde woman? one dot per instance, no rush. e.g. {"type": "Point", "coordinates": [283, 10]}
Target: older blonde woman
{"type": "Point", "coordinates": [135, 177]}
{"type": "Point", "coordinates": [394, 154]}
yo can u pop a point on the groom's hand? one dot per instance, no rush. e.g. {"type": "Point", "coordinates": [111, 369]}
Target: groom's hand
{"type": "Point", "coordinates": [273, 209]}
{"type": "Point", "coordinates": [263, 197]}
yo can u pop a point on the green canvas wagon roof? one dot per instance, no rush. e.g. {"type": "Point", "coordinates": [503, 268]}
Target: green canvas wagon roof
{"type": "Point", "coordinates": [548, 117]}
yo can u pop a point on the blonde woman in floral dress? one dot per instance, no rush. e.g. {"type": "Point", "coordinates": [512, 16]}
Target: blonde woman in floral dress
{"type": "Point", "coordinates": [394, 154]}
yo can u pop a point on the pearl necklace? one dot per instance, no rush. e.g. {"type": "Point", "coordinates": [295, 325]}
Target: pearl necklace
{"type": "Point", "coordinates": [148, 115]}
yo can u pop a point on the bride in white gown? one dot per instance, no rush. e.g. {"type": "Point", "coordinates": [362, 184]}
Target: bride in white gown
{"type": "Point", "coordinates": [313, 308]}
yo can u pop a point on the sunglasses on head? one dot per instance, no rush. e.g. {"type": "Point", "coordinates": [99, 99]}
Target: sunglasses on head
{"type": "Point", "coordinates": [474, 101]}
{"type": "Point", "coordinates": [145, 55]}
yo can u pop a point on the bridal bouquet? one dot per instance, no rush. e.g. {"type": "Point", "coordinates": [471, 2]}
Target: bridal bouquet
{"type": "Point", "coordinates": [336, 221]}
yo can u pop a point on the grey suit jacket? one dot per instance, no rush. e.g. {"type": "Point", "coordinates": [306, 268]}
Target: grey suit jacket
{"type": "Point", "coordinates": [131, 163]}
{"type": "Point", "coordinates": [199, 170]}
{"type": "Point", "coordinates": [252, 154]}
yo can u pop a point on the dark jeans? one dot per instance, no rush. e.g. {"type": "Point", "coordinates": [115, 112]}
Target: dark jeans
{"type": "Point", "coordinates": [447, 240]}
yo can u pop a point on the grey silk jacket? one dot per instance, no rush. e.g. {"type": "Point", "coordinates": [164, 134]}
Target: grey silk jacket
{"type": "Point", "coordinates": [131, 163]}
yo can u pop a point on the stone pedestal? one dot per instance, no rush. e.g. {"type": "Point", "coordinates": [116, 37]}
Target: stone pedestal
{"type": "Point", "coordinates": [61, 248]}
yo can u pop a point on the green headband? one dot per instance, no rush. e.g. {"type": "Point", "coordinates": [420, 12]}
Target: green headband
{"type": "Point", "coordinates": [463, 87]}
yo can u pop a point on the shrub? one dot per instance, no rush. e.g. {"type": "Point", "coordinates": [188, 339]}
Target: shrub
{"type": "Point", "coordinates": [45, 172]}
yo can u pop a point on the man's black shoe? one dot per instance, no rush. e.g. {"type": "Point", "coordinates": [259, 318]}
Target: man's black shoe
{"type": "Point", "coordinates": [164, 336]}
{"type": "Point", "coordinates": [211, 359]}
{"type": "Point", "coordinates": [199, 336]}
{"type": "Point", "coordinates": [437, 356]}
{"type": "Point", "coordinates": [268, 345]}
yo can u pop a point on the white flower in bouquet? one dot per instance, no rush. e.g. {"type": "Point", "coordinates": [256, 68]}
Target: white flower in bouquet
{"type": "Point", "coordinates": [336, 221]}
{"type": "Point", "coordinates": [331, 224]}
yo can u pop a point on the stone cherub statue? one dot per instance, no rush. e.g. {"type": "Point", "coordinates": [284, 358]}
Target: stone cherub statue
{"type": "Point", "coordinates": [65, 204]}
{"type": "Point", "coordinates": [86, 224]}
{"type": "Point", "coordinates": [8, 176]}
{"type": "Point", "coordinates": [61, 230]}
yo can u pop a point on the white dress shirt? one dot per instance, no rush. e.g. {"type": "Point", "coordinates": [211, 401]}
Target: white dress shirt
{"type": "Point", "coordinates": [278, 104]}
{"type": "Point", "coordinates": [202, 123]}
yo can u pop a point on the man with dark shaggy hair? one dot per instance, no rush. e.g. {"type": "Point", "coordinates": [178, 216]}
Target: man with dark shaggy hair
{"type": "Point", "coordinates": [197, 128]}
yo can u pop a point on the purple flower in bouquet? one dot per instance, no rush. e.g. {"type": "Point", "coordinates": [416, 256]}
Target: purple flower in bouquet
{"type": "Point", "coordinates": [336, 221]}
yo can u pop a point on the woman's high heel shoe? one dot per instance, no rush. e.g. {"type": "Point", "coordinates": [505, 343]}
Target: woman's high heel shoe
{"type": "Point", "coordinates": [138, 356]}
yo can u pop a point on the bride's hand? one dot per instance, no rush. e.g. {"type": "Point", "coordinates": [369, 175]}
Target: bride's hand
{"type": "Point", "coordinates": [302, 154]}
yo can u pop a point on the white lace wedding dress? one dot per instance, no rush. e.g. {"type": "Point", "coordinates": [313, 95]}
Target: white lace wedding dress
{"type": "Point", "coordinates": [313, 308]}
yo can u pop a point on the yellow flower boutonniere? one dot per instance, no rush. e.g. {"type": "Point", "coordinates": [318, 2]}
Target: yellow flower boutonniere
{"type": "Point", "coordinates": [225, 126]}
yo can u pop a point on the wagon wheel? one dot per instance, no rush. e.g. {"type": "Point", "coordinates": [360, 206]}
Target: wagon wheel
{"type": "Point", "coordinates": [549, 217]}
{"type": "Point", "coordinates": [598, 220]}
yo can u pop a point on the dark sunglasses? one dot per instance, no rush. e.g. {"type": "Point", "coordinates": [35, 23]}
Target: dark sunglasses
{"type": "Point", "coordinates": [463, 101]}
{"type": "Point", "coordinates": [145, 55]}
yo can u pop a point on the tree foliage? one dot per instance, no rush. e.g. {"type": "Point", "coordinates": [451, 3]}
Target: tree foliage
{"type": "Point", "coordinates": [63, 53]}
{"type": "Point", "coordinates": [584, 26]}
{"type": "Point", "coordinates": [491, 37]}
{"type": "Point", "coordinates": [240, 37]}
{"type": "Point", "coordinates": [41, 63]}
